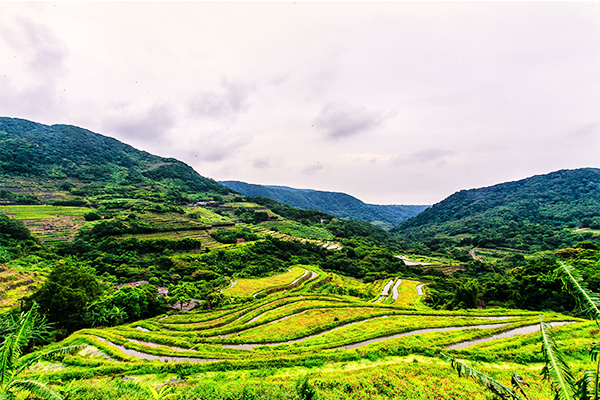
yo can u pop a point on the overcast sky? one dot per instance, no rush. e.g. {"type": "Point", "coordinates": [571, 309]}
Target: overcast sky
{"type": "Point", "coordinates": [392, 102]}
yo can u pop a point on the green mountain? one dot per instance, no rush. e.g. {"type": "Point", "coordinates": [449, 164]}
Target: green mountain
{"type": "Point", "coordinates": [542, 212]}
{"type": "Point", "coordinates": [73, 159]}
{"type": "Point", "coordinates": [338, 204]}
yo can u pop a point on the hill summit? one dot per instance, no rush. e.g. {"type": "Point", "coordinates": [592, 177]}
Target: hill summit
{"type": "Point", "coordinates": [67, 157]}
{"type": "Point", "coordinates": [527, 214]}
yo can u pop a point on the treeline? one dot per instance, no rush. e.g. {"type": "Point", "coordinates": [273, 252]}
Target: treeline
{"type": "Point", "coordinates": [518, 283]}
{"type": "Point", "coordinates": [340, 228]}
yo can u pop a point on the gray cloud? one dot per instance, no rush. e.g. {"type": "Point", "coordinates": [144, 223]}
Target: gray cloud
{"type": "Point", "coordinates": [42, 57]}
{"type": "Point", "coordinates": [585, 130]}
{"type": "Point", "coordinates": [217, 147]}
{"type": "Point", "coordinates": [44, 51]}
{"type": "Point", "coordinates": [312, 169]}
{"type": "Point", "coordinates": [343, 120]}
{"type": "Point", "coordinates": [262, 163]}
{"type": "Point", "coordinates": [438, 157]}
{"type": "Point", "coordinates": [232, 99]}
{"type": "Point", "coordinates": [152, 123]}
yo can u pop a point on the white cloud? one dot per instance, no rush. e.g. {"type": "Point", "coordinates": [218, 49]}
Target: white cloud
{"type": "Point", "coordinates": [339, 120]}
{"type": "Point", "coordinates": [232, 99]}
{"type": "Point", "coordinates": [391, 102]}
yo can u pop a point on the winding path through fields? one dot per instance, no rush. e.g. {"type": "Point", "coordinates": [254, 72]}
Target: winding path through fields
{"type": "Point", "coordinates": [386, 291]}
{"type": "Point", "coordinates": [475, 256]}
{"type": "Point", "coordinates": [524, 330]}
{"type": "Point", "coordinates": [395, 293]}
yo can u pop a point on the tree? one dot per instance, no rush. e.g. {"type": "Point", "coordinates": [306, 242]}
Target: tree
{"type": "Point", "coordinates": [183, 293]}
{"type": "Point", "coordinates": [12, 364]}
{"type": "Point", "coordinates": [69, 290]}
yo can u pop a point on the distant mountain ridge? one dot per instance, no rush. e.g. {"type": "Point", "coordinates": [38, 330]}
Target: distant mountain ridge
{"type": "Point", "coordinates": [337, 204]}
{"type": "Point", "coordinates": [56, 154]}
{"type": "Point", "coordinates": [539, 212]}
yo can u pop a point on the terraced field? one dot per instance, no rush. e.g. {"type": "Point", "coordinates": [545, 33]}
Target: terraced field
{"type": "Point", "coordinates": [48, 223]}
{"type": "Point", "coordinates": [297, 326]}
{"type": "Point", "coordinates": [251, 287]}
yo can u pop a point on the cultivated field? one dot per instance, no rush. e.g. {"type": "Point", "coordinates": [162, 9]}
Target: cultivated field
{"type": "Point", "coordinates": [298, 328]}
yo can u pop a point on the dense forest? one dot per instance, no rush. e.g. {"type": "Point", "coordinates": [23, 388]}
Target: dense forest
{"type": "Point", "coordinates": [533, 214]}
{"type": "Point", "coordinates": [340, 205]}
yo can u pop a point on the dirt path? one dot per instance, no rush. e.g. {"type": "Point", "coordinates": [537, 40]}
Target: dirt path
{"type": "Point", "coordinates": [475, 256]}
{"type": "Point", "coordinates": [395, 293]}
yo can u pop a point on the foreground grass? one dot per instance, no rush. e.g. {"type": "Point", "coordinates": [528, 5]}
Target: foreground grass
{"type": "Point", "coordinates": [412, 377]}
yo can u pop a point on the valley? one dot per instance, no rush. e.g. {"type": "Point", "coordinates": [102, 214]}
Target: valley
{"type": "Point", "coordinates": [130, 275]}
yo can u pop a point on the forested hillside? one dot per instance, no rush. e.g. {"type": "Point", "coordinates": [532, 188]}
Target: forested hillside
{"type": "Point", "coordinates": [150, 270]}
{"type": "Point", "coordinates": [338, 204]}
{"type": "Point", "coordinates": [539, 213]}
{"type": "Point", "coordinates": [82, 163]}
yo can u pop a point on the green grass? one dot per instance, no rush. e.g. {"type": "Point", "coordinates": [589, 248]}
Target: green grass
{"type": "Point", "coordinates": [406, 378]}
{"type": "Point", "coordinates": [20, 278]}
{"type": "Point", "coordinates": [296, 229]}
{"type": "Point", "coordinates": [431, 259]}
{"type": "Point", "coordinates": [42, 212]}
{"type": "Point", "coordinates": [381, 369]}
{"type": "Point", "coordinates": [407, 293]}
{"type": "Point", "coordinates": [248, 287]}
{"type": "Point", "coordinates": [209, 217]}
{"type": "Point", "coordinates": [244, 205]}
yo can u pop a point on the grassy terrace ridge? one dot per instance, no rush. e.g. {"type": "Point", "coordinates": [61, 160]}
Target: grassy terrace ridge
{"type": "Point", "coordinates": [407, 293]}
{"type": "Point", "coordinates": [42, 211]}
{"type": "Point", "coordinates": [249, 287]}
{"type": "Point", "coordinates": [296, 328]}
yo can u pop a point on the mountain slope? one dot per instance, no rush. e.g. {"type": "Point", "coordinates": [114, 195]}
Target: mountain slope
{"type": "Point", "coordinates": [525, 214]}
{"type": "Point", "coordinates": [338, 204]}
{"type": "Point", "coordinates": [59, 153]}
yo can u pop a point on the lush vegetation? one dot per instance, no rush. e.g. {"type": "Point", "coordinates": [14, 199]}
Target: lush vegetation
{"type": "Point", "coordinates": [139, 262]}
{"type": "Point", "coordinates": [340, 205]}
{"type": "Point", "coordinates": [82, 163]}
{"type": "Point", "coordinates": [544, 212]}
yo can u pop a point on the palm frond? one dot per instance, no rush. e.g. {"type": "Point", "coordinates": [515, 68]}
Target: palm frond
{"type": "Point", "coordinates": [556, 369]}
{"type": "Point", "coordinates": [589, 299]}
{"type": "Point", "coordinates": [518, 382]}
{"type": "Point", "coordinates": [59, 351]}
{"type": "Point", "coordinates": [493, 385]}
{"type": "Point", "coordinates": [594, 352]}
{"type": "Point", "coordinates": [584, 387]}
{"type": "Point", "coordinates": [7, 358]}
{"type": "Point", "coordinates": [39, 389]}
{"type": "Point", "coordinates": [11, 348]}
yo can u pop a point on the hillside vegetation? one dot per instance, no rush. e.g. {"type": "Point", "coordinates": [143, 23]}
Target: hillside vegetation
{"type": "Point", "coordinates": [66, 162]}
{"type": "Point", "coordinates": [340, 205]}
{"type": "Point", "coordinates": [150, 283]}
{"type": "Point", "coordinates": [544, 212]}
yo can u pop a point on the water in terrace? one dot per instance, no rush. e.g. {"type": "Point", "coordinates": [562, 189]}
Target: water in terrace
{"type": "Point", "coordinates": [395, 293]}
{"type": "Point", "coordinates": [386, 291]}
{"type": "Point", "coordinates": [146, 356]}
{"type": "Point", "coordinates": [250, 346]}
{"type": "Point", "coordinates": [517, 331]}
{"type": "Point", "coordinates": [417, 332]}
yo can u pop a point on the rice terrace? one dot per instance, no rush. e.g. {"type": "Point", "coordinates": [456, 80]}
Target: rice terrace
{"type": "Point", "coordinates": [133, 277]}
